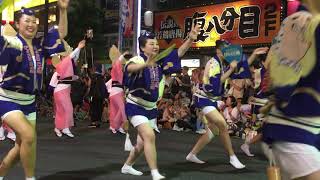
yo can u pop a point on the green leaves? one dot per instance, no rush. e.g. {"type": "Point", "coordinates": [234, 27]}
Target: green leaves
{"type": "Point", "coordinates": [165, 52]}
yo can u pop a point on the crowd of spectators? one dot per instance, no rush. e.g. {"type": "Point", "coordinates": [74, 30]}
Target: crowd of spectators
{"type": "Point", "coordinates": [178, 113]}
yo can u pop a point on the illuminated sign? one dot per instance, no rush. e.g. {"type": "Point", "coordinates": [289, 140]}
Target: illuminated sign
{"type": "Point", "coordinates": [29, 3]}
{"type": "Point", "coordinates": [190, 62]}
{"type": "Point", "coordinates": [241, 22]}
{"type": "Point", "coordinates": [8, 7]}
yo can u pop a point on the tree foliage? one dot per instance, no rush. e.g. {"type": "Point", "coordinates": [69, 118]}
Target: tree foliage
{"type": "Point", "coordinates": [83, 14]}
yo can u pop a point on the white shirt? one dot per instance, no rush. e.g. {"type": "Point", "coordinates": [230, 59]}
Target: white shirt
{"type": "Point", "coordinates": [112, 90]}
{"type": "Point", "coordinates": [54, 83]}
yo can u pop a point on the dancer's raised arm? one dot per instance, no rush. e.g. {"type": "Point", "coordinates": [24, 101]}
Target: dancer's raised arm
{"type": "Point", "coordinates": [192, 37]}
{"type": "Point", "coordinates": [63, 20]}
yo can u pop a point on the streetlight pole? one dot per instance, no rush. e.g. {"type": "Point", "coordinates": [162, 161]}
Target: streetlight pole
{"type": "Point", "coordinates": [137, 26]}
{"type": "Point", "coordinates": [45, 31]}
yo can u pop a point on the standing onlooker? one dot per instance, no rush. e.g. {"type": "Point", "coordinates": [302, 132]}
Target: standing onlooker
{"type": "Point", "coordinates": [78, 90]}
{"type": "Point", "coordinates": [98, 93]}
{"type": "Point", "coordinates": [185, 81]}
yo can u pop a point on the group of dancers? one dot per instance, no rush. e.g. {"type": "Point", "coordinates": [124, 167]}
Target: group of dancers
{"type": "Point", "coordinates": [293, 68]}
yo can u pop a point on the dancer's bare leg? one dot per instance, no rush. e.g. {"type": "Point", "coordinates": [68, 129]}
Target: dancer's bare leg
{"type": "Point", "coordinates": [26, 145]}
{"type": "Point", "coordinates": [147, 138]}
{"type": "Point", "coordinates": [246, 146]}
{"type": "Point", "coordinates": [147, 134]}
{"type": "Point", "coordinates": [214, 118]}
{"type": "Point", "coordinates": [203, 140]}
{"type": "Point", "coordinates": [255, 139]}
{"type": "Point", "coordinates": [200, 144]}
{"type": "Point", "coordinates": [135, 152]}
{"type": "Point", "coordinates": [217, 119]}
{"type": "Point", "coordinates": [313, 176]}
{"type": "Point", "coordinates": [11, 159]}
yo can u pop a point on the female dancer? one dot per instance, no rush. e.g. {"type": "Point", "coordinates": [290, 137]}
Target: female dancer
{"type": "Point", "coordinates": [206, 99]}
{"type": "Point", "coordinates": [24, 56]}
{"type": "Point", "coordinates": [293, 125]}
{"type": "Point", "coordinates": [142, 78]}
{"type": "Point", "coordinates": [61, 81]}
{"type": "Point", "coordinates": [117, 114]}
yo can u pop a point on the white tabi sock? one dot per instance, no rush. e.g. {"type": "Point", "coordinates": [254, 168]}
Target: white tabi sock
{"type": "Point", "coordinates": [193, 158]}
{"type": "Point", "coordinates": [156, 175]}
{"type": "Point", "coordinates": [126, 169]}
{"type": "Point", "coordinates": [31, 178]}
{"type": "Point", "coordinates": [234, 161]}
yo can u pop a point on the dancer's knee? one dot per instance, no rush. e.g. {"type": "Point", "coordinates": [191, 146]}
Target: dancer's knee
{"type": "Point", "coordinates": [222, 125]}
{"type": "Point", "coordinates": [28, 137]}
{"type": "Point", "coordinates": [149, 138]}
{"type": "Point", "coordinates": [147, 134]}
{"type": "Point", "coordinates": [210, 134]}
{"type": "Point", "coordinates": [139, 147]}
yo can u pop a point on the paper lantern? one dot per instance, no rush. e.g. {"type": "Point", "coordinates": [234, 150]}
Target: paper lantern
{"type": "Point", "coordinates": [148, 18]}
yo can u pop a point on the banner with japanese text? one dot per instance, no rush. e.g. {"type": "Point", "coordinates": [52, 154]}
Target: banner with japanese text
{"type": "Point", "coordinates": [126, 17]}
{"type": "Point", "coordinates": [242, 22]}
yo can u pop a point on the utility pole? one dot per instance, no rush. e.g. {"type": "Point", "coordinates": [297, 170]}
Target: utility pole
{"type": "Point", "coordinates": [136, 26]}
{"type": "Point", "coordinates": [45, 31]}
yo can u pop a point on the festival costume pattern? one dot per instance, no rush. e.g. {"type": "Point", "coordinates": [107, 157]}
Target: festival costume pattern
{"type": "Point", "coordinates": [23, 76]}
{"type": "Point", "coordinates": [62, 80]}
{"type": "Point", "coordinates": [145, 87]}
{"type": "Point", "coordinates": [117, 114]}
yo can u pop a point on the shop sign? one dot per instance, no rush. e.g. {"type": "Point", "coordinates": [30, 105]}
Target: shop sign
{"type": "Point", "coordinates": [242, 22]}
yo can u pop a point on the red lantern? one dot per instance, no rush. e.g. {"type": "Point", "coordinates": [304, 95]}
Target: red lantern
{"type": "Point", "coordinates": [3, 22]}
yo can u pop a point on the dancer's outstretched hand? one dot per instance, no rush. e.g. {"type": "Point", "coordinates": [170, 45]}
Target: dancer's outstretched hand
{"type": "Point", "coordinates": [262, 50]}
{"type": "Point", "coordinates": [233, 64]}
{"type": "Point", "coordinates": [82, 44]}
{"type": "Point", "coordinates": [63, 4]}
{"type": "Point", "coordinates": [193, 35]}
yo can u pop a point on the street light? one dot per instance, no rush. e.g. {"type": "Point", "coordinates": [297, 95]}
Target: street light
{"type": "Point", "coordinates": [148, 18]}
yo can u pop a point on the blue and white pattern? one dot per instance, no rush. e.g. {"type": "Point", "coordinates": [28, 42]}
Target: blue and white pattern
{"type": "Point", "coordinates": [296, 116]}
{"type": "Point", "coordinates": [23, 75]}
{"type": "Point", "coordinates": [145, 86]}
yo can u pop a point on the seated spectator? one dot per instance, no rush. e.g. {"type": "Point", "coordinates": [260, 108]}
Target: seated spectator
{"type": "Point", "coordinates": [182, 115]}
{"type": "Point", "coordinates": [185, 100]}
{"type": "Point", "coordinates": [166, 117]}
{"type": "Point", "coordinates": [230, 114]}
{"type": "Point", "coordinates": [242, 111]}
